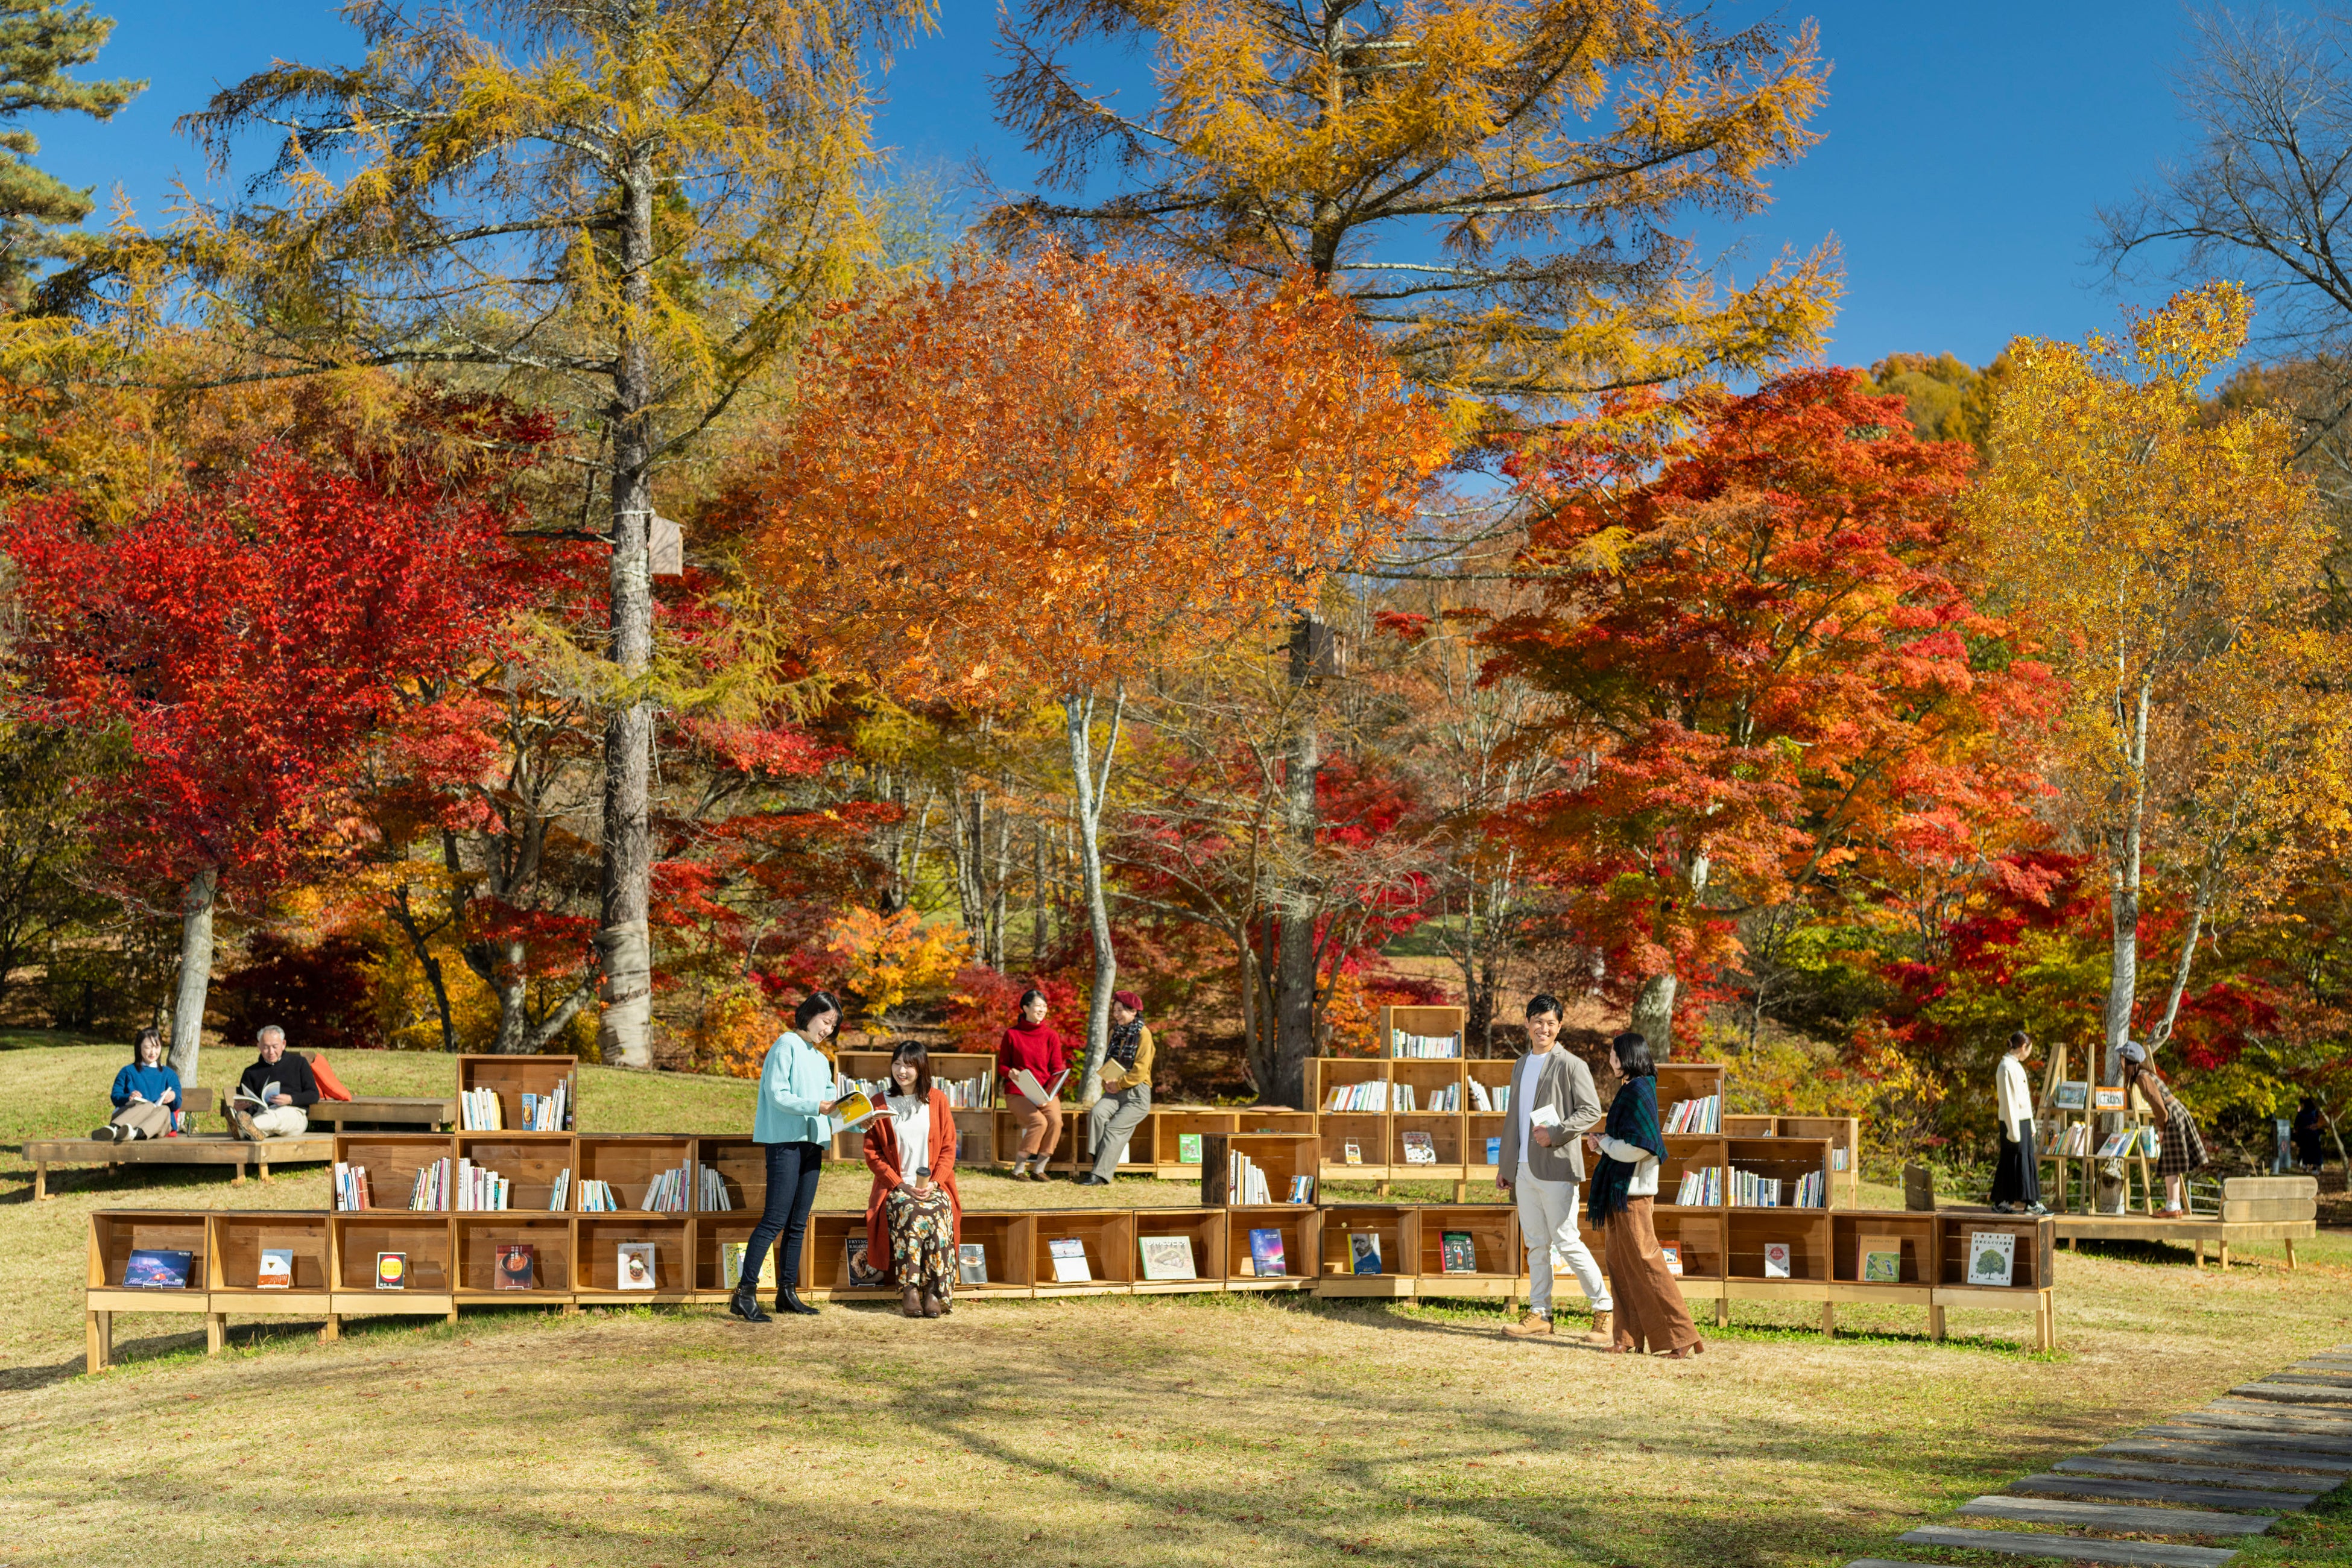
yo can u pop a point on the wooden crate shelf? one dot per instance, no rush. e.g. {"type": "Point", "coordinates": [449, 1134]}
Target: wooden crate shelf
{"type": "Point", "coordinates": [1498, 1258]}
{"type": "Point", "coordinates": [530, 1163]}
{"type": "Point", "coordinates": [392, 1160]}
{"type": "Point", "coordinates": [1108, 1239]}
{"type": "Point", "coordinates": [1204, 1230]}
{"type": "Point", "coordinates": [1430, 1023]}
{"type": "Point", "coordinates": [742, 1167]}
{"type": "Point", "coordinates": [1284, 1157]}
{"type": "Point", "coordinates": [238, 1241]}
{"type": "Point", "coordinates": [824, 1258]}
{"type": "Point", "coordinates": [1008, 1243]}
{"type": "Point", "coordinates": [596, 1258]}
{"type": "Point", "coordinates": [1398, 1229]}
{"type": "Point", "coordinates": [513, 1077]}
{"type": "Point", "coordinates": [432, 1273]}
{"type": "Point", "coordinates": [114, 1237]}
{"type": "Point", "coordinates": [1301, 1230]}
{"type": "Point", "coordinates": [630, 1163]}
{"type": "Point", "coordinates": [478, 1237]}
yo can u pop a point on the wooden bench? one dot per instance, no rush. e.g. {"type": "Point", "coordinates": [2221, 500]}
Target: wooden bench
{"type": "Point", "coordinates": [188, 1148]}
{"type": "Point", "coordinates": [379, 1112]}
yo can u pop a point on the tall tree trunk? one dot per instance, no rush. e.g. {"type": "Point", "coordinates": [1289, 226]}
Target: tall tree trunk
{"type": "Point", "coordinates": [1654, 1005]}
{"type": "Point", "coordinates": [195, 976]}
{"type": "Point", "coordinates": [1038, 932]}
{"type": "Point", "coordinates": [1092, 787]}
{"type": "Point", "coordinates": [624, 941]}
{"type": "Point", "coordinates": [1295, 953]}
{"type": "Point", "coordinates": [2123, 930]}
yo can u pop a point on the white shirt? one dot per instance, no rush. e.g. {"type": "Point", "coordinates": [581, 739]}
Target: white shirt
{"type": "Point", "coordinates": [2013, 1097]}
{"type": "Point", "coordinates": [1523, 1096]}
{"type": "Point", "coordinates": [911, 1119]}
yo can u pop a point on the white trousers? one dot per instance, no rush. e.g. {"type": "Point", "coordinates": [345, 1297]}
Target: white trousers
{"type": "Point", "coordinates": [1547, 1223]}
{"type": "Point", "coordinates": [282, 1121]}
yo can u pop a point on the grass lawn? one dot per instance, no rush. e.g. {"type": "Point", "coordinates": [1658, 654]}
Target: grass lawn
{"type": "Point", "coordinates": [1156, 1431]}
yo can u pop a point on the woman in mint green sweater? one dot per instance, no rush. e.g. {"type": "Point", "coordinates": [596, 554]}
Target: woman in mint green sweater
{"type": "Point", "coordinates": [795, 1093]}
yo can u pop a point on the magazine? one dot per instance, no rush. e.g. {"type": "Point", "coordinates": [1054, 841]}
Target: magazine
{"type": "Point", "coordinates": [1353, 1154]}
{"type": "Point", "coordinates": [1266, 1254]}
{"type": "Point", "coordinates": [517, 1266]}
{"type": "Point", "coordinates": [1776, 1260]}
{"type": "Point", "coordinates": [731, 1265]}
{"type": "Point", "coordinates": [157, 1268]}
{"type": "Point", "coordinates": [1673, 1252]}
{"type": "Point", "coordinates": [854, 1108]}
{"type": "Point", "coordinates": [856, 1273]}
{"type": "Point", "coordinates": [1420, 1149]}
{"type": "Point", "coordinates": [635, 1269]}
{"type": "Point", "coordinates": [1188, 1148]}
{"type": "Point", "coordinates": [972, 1264]}
{"type": "Point", "coordinates": [392, 1271]}
{"type": "Point", "coordinates": [276, 1269]}
{"type": "Point", "coordinates": [1457, 1253]}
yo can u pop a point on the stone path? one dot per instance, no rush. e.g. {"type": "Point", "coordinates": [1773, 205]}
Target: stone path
{"type": "Point", "coordinates": [2234, 1467]}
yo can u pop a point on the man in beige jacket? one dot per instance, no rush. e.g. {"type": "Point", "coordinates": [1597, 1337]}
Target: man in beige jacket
{"type": "Point", "coordinates": [1542, 1164]}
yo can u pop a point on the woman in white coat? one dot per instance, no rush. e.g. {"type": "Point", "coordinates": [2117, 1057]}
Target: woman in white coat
{"type": "Point", "coordinates": [2017, 1172]}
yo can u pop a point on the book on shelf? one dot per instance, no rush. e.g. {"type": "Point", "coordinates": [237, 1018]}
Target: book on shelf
{"type": "Point", "coordinates": [276, 1269]}
{"type": "Point", "coordinates": [1069, 1257]}
{"type": "Point", "coordinates": [2113, 1144]}
{"type": "Point", "coordinates": [392, 1271]}
{"type": "Point", "coordinates": [1266, 1254]}
{"type": "Point", "coordinates": [1457, 1253]}
{"type": "Point", "coordinates": [1425, 1047]}
{"type": "Point", "coordinates": [666, 1192]}
{"type": "Point", "coordinates": [1302, 1190]}
{"type": "Point", "coordinates": [1881, 1259]}
{"type": "Point", "coordinates": [1775, 1260]}
{"type": "Point", "coordinates": [1363, 1252]}
{"type": "Point", "coordinates": [2072, 1095]}
{"type": "Point", "coordinates": [157, 1268]}
{"type": "Point", "coordinates": [711, 1196]}
{"type": "Point", "coordinates": [1701, 1187]}
{"type": "Point", "coordinates": [1673, 1253]}
{"type": "Point", "coordinates": [857, 1271]}
{"type": "Point", "coordinates": [1494, 1150]}
{"type": "Point", "coordinates": [1992, 1257]}
{"type": "Point", "coordinates": [1246, 1180]}
{"type": "Point", "coordinates": [480, 1110]}
{"type": "Point", "coordinates": [1837, 1159]}
{"type": "Point", "coordinates": [1351, 1153]}
{"type": "Point", "coordinates": [1420, 1149]}
{"type": "Point", "coordinates": [2106, 1097]}
{"type": "Point", "coordinates": [1696, 1116]}
{"type": "Point", "coordinates": [1167, 1256]}
{"type": "Point", "coordinates": [517, 1266]}
{"type": "Point", "coordinates": [1188, 1148]}
{"type": "Point", "coordinates": [352, 1188]}
{"type": "Point", "coordinates": [1479, 1099]}
{"type": "Point", "coordinates": [1036, 1093]}
{"type": "Point", "coordinates": [731, 1266]}
{"type": "Point", "coordinates": [972, 1264]}
{"type": "Point", "coordinates": [2151, 1142]}
{"type": "Point", "coordinates": [596, 1197]}
{"type": "Point", "coordinates": [634, 1268]}
{"type": "Point", "coordinates": [560, 1191]}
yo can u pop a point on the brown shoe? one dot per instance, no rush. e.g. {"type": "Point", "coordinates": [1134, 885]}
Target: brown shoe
{"type": "Point", "coordinates": [1020, 1170]}
{"type": "Point", "coordinates": [931, 1308]}
{"type": "Point", "coordinates": [244, 1126]}
{"type": "Point", "coordinates": [910, 1302]}
{"type": "Point", "coordinates": [1603, 1331]}
{"type": "Point", "coordinates": [1531, 1327]}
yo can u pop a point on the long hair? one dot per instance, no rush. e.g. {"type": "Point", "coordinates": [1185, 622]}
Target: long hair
{"type": "Point", "coordinates": [913, 1051]}
{"type": "Point", "coordinates": [150, 1033]}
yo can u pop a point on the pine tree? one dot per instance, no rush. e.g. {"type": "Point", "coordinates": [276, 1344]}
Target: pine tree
{"type": "Point", "coordinates": [39, 42]}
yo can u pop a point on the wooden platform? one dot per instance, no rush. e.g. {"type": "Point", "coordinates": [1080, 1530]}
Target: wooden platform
{"type": "Point", "coordinates": [427, 1115]}
{"type": "Point", "coordinates": [190, 1149]}
{"type": "Point", "coordinates": [2195, 1232]}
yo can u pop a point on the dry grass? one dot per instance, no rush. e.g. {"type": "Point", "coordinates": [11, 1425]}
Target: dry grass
{"type": "Point", "coordinates": [1227, 1431]}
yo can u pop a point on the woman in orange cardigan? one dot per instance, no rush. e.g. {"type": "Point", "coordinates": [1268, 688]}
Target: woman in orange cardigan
{"type": "Point", "coordinates": [914, 1216]}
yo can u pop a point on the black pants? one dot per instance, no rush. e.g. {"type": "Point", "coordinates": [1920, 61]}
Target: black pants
{"type": "Point", "coordinates": [2017, 1174]}
{"type": "Point", "coordinates": [791, 1192]}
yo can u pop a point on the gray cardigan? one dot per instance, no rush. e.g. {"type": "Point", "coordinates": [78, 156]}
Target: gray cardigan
{"type": "Point", "coordinates": [1566, 1086]}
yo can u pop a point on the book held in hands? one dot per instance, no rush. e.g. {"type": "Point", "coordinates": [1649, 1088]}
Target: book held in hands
{"type": "Point", "coordinates": [1036, 1093]}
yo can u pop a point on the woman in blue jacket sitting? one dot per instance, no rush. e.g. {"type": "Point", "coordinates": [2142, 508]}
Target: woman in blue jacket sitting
{"type": "Point", "coordinates": [146, 1093]}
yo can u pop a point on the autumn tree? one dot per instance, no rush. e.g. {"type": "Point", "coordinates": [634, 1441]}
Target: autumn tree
{"type": "Point", "coordinates": [1496, 187]}
{"type": "Point", "coordinates": [2172, 560]}
{"type": "Point", "coordinates": [1777, 671]}
{"type": "Point", "coordinates": [246, 641]}
{"type": "Point", "coordinates": [627, 208]}
{"type": "Point", "coordinates": [1036, 481]}
{"type": "Point", "coordinates": [40, 42]}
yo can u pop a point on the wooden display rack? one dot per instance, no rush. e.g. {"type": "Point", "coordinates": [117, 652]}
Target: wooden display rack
{"type": "Point", "coordinates": [1283, 1156]}
{"type": "Point", "coordinates": [514, 1077]}
{"type": "Point", "coordinates": [1431, 1023]}
{"type": "Point", "coordinates": [976, 1123]}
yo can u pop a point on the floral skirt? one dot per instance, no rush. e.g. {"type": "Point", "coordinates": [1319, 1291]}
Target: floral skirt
{"type": "Point", "coordinates": [922, 1240]}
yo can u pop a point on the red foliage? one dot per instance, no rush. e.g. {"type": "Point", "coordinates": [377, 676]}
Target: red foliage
{"type": "Point", "coordinates": [983, 1003]}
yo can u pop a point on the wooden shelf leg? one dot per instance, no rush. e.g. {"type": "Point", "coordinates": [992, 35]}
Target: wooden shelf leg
{"type": "Point", "coordinates": [1935, 1324]}
{"type": "Point", "coordinates": [2050, 1316]}
{"type": "Point", "coordinates": [2197, 1254]}
{"type": "Point", "coordinates": [41, 1182]}
{"type": "Point", "coordinates": [1381, 1188]}
{"type": "Point", "coordinates": [331, 1330]}
{"type": "Point", "coordinates": [1723, 1311]}
{"type": "Point", "coordinates": [239, 1179]}
{"type": "Point", "coordinates": [1829, 1320]}
{"type": "Point", "coordinates": [216, 1332]}
{"type": "Point", "coordinates": [262, 1162]}
{"type": "Point", "coordinates": [2290, 1253]}
{"type": "Point", "coordinates": [98, 1341]}
{"type": "Point", "coordinates": [2225, 1257]}
{"type": "Point", "coordinates": [1461, 1191]}
{"type": "Point", "coordinates": [453, 1317]}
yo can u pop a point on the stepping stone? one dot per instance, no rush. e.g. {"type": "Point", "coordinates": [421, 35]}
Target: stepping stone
{"type": "Point", "coordinates": [2073, 1548]}
{"type": "Point", "coordinates": [2119, 1517]}
{"type": "Point", "coordinates": [2282, 1430]}
{"type": "Point", "coordinates": [2274, 1447]}
{"type": "Point", "coordinates": [2293, 1393]}
{"type": "Point", "coordinates": [2126, 1489]}
{"type": "Point", "coordinates": [2311, 1376]}
{"type": "Point", "coordinates": [2098, 1464]}
{"type": "Point", "coordinates": [2276, 1415]}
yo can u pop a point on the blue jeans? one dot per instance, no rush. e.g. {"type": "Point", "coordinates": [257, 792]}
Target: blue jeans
{"type": "Point", "coordinates": [791, 1192]}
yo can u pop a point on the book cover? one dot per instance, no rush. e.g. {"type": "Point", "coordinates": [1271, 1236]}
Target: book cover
{"type": "Point", "coordinates": [731, 1265]}
{"type": "Point", "coordinates": [2105, 1098]}
{"type": "Point", "coordinates": [972, 1264]}
{"type": "Point", "coordinates": [1457, 1253]}
{"type": "Point", "coordinates": [392, 1271]}
{"type": "Point", "coordinates": [635, 1265]}
{"type": "Point", "coordinates": [1993, 1256]}
{"type": "Point", "coordinates": [1364, 1251]}
{"type": "Point", "coordinates": [1167, 1256]}
{"type": "Point", "coordinates": [157, 1268]}
{"type": "Point", "coordinates": [2151, 1142]}
{"type": "Point", "coordinates": [854, 1108]}
{"type": "Point", "coordinates": [276, 1269]}
{"type": "Point", "coordinates": [1881, 1259]}
{"type": "Point", "coordinates": [517, 1266]}
{"type": "Point", "coordinates": [1494, 1150]}
{"type": "Point", "coordinates": [2112, 1146]}
{"type": "Point", "coordinates": [856, 1272]}
{"type": "Point", "coordinates": [2072, 1096]}
{"type": "Point", "coordinates": [1037, 1093]}
{"type": "Point", "coordinates": [1266, 1254]}
{"type": "Point", "coordinates": [1188, 1148]}
{"type": "Point", "coordinates": [1776, 1260]}
{"type": "Point", "coordinates": [1674, 1255]}
{"type": "Point", "coordinates": [1420, 1149]}
{"type": "Point", "coordinates": [1837, 1159]}
{"type": "Point", "coordinates": [1352, 1155]}
{"type": "Point", "coordinates": [1069, 1256]}
{"type": "Point", "coordinates": [1302, 1189]}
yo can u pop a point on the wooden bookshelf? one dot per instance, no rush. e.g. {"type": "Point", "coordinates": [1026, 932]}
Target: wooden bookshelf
{"type": "Point", "coordinates": [1700, 1237]}
{"type": "Point", "coordinates": [1108, 1237]}
{"type": "Point", "coordinates": [1427, 1022]}
{"type": "Point", "coordinates": [426, 1238]}
{"type": "Point", "coordinates": [531, 1162]}
{"type": "Point", "coordinates": [1399, 1230]}
{"type": "Point", "coordinates": [392, 1160]}
{"type": "Point", "coordinates": [1367, 1132]}
{"type": "Point", "coordinates": [1498, 1257]}
{"type": "Point", "coordinates": [596, 1258]}
{"type": "Point", "coordinates": [1170, 1128]}
{"type": "Point", "coordinates": [234, 1254]}
{"type": "Point", "coordinates": [479, 1236]}
{"type": "Point", "coordinates": [1283, 1156]}
{"type": "Point", "coordinates": [1914, 1233]}
{"type": "Point", "coordinates": [1008, 1241]}
{"type": "Point", "coordinates": [708, 1234]}
{"type": "Point", "coordinates": [1204, 1230]}
{"type": "Point", "coordinates": [1444, 1135]}
{"type": "Point", "coordinates": [514, 1077]}
{"type": "Point", "coordinates": [114, 1237]}
{"type": "Point", "coordinates": [630, 1163]}
{"type": "Point", "coordinates": [1301, 1230]}
{"type": "Point", "coordinates": [742, 1167]}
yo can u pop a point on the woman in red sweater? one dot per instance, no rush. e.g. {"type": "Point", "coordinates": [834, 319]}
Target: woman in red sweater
{"type": "Point", "coordinates": [1034, 1045]}
{"type": "Point", "coordinates": [914, 1216]}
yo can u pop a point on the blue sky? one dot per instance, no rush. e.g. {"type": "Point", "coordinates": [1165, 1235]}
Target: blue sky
{"type": "Point", "coordinates": [1966, 147]}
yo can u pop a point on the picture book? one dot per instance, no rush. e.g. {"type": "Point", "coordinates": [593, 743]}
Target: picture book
{"type": "Point", "coordinates": [1674, 1255]}
{"type": "Point", "coordinates": [392, 1271]}
{"type": "Point", "coordinates": [2115, 1144]}
{"type": "Point", "coordinates": [856, 1273]}
{"type": "Point", "coordinates": [276, 1269]}
{"type": "Point", "coordinates": [1993, 1256]}
{"type": "Point", "coordinates": [1881, 1259]}
{"type": "Point", "coordinates": [731, 1265]}
{"type": "Point", "coordinates": [2104, 1098]}
{"type": "Point", "coordinates": [635, 1265]}
{"type": "Point", "coordinates": [1266, 1254]}
{"type": "Point", "coordinates": [2151, 1141]}
{"type": "Point", "coordinates": [1420, 1149]}
{"type": "Point", "coordinates": [157, 1268]}
{"type": "Point", "coordinates": [1457, 1253]}
{"type": "Point", "coordinates": [2072, 1096]}
{"type": "Point", "coordinates": [1188, 1148]}
{"type": "Point", "coordinates": [1167, 1256]}
{"type": "Point", "coordinates": [1494, 1150]}
{"type": "Point", "coordinates": [1032, 1090]}
{"type": "Point", "coordinates": [1776, 1260]}
{"type": "Point", "coordinates": [517, 1266]}
{"type": "Point", "coordinates": [1069, 1255]}
{"type": "Point", "coordinates": [854, 1108]}
{"type": "Point", "coordinates": [1837, 1159]}
{"type": "Point", "coordinates": [1352, 1155]}
{"type": "Point", "coordinates": [972, 1264]}
{"type": "Point", "coordinates": [243, 1096]}
{"type": "Point", "coordinates": [1364, 1251]}
{"type": "Point", "coordinates": [1302, 1190]}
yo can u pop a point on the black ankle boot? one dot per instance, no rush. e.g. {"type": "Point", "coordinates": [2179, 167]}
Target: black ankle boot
{"type": "Point", "coordinates": [789, 1301]}
{"type": "Point", "coordinates": [745, 1304]}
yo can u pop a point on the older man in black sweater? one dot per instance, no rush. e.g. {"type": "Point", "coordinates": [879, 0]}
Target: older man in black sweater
{"type": "Point", "coordinates": [274, 1096]}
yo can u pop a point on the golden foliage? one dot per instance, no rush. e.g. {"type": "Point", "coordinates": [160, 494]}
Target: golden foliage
{"type": "Point", "coordinates": [885, 959]}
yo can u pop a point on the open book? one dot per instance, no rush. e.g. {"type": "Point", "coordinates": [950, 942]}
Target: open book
{"type": "Point", "coordinates": [244, 1096]}
{"type": "Point", "coordinates": [854, 1108]}
{"type": "Point", "coordinates": [1035, 1092]}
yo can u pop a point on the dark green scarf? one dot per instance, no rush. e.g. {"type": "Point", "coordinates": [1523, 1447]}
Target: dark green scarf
{"type": "Point", "coordinates": [1633, 1119]}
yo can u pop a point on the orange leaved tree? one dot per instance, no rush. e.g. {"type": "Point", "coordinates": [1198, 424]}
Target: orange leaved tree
{"type": "Point", "coordinates": [1026, 482]}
